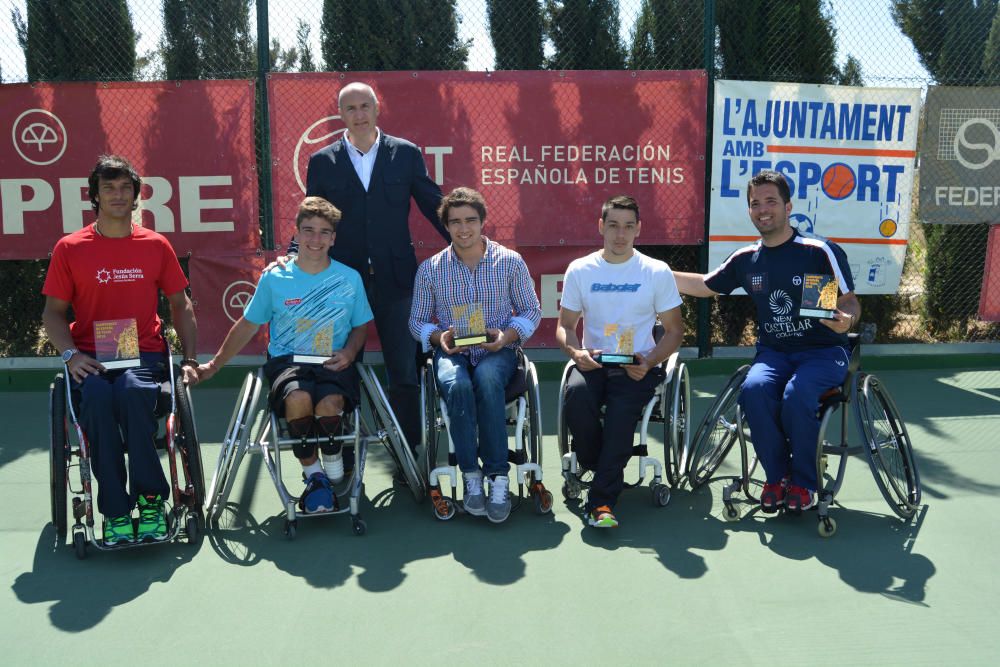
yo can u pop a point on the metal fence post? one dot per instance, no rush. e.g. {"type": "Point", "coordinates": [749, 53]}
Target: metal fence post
{"type": "Point", "coordinates": [704, 331]}
{"type": "Point", "coordinates": [263, 68]}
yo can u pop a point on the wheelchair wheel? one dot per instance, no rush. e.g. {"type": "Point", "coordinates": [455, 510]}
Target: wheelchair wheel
{"type": "Point", "coordinates": [562, 430]}
{"type": "Point", "coordinates": [718, 432]}
{"type": "Point", "coordinates": [232, 445]}
{"type": "Point", "coordinates": [890, 453]}
{"type": "Point", "coordinates": [384, 426]}
{"type": "Point", "coordinates": [58, 455]}
{"type": "Point", "coordinates": [189, 447]}
{"type": "Point", "coordinates": [674, 407]}
{"type": "Point", "coordinates": [428, 407]}
{"type": "Point", "coordinates": [534, 442]}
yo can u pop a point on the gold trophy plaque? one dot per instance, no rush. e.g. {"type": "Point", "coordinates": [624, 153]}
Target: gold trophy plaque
{"type": "Point", "coordinates": [313, 341]}
{"type": "Point", "coordinates": [469, 323]}
{"type": "Point", "coordinates": [819, 296]}
{"type": "Point", "coordinates": [618, 348]}
{"type": "Point", "coordinates": [116, 343]}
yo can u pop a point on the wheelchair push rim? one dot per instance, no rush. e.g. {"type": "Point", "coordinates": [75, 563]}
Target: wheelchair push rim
{"type": "Point", "coordinates": [58, 456]}
{"type": "Point", "coordinates": [718, 432]}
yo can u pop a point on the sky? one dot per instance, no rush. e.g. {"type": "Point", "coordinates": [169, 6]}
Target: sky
{"type": "Point", "coordinates": [864, 27]}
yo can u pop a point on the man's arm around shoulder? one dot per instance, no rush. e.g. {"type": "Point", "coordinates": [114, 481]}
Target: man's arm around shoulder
{"type": "Point", "coordinates": [693, 284]}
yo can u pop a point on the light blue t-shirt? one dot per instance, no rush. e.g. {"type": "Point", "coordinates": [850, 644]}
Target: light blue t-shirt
{"type": "Point", "coordinates": [309, 313]}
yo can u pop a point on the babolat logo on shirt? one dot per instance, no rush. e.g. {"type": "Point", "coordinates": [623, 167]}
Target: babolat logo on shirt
{"type": "Point", "coordinates": [614, 287]}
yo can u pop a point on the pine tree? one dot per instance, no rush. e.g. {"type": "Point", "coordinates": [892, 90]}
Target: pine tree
{"type": "Point", "coordinates": [207, 39]}
{"type": "Point", "coordinates": [584, 34]}
{"type": "Point", "coordinates": [306, 62]}
{"type": "Point", "coordinates": [668, 34]}
{"type": "Point", "coordinates": [516, 28]}
{"type": "Point", "coordinates": [76, 40]}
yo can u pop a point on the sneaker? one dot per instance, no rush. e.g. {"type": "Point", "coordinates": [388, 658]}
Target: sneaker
{"type": "Point", "coordinates": [474, 500]}
{"type": "Point", "coordinates": [152, 520]}
{"type": "Point", "coordinates": [601, 517]}
{"type": "Point", "coordinates": [772, 497]}
{"type": "Point", "coordinates": [799, 499]}
{"type": "Point", "coordinates": [318, 496]}
{"type": "Point", "coordinates": [498, 508]}
{"type": "Point", "coordinates": [118, 530]}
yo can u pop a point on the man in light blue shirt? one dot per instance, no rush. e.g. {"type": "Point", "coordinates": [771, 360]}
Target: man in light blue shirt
{"type": "Point", "coordinates": [318, 318]}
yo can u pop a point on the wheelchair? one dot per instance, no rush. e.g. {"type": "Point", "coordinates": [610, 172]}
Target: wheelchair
{"type": "Point", "coordinates": [668, 407]}
{"type": "Point", "coordinates": [886, 444]}
{"type": "Point", "coordinates": [254, 426]}
{"type": "Point", "coordinates": [523, 415]}
{"type": "Point", "coordinates": [70, 449]}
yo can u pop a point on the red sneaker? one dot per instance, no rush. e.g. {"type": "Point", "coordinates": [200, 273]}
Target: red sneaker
{"type": "Point", "coordinates": [798, 499]}
{"type": "Point", "coordinates": [772, 497]}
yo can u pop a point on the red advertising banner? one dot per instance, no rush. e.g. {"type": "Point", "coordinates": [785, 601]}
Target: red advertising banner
{"type": "Point", "coordinates": [191, 142]}
{"type": "Point", "coordinates": [546, 149]}
{"type": "Point", "coordinates": [989, 296]}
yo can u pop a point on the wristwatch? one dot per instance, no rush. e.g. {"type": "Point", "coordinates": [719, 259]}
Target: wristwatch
{"type": "Point", "coordinates": [68, 354]}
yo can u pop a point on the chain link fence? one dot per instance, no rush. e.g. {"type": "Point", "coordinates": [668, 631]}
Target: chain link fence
{"type": "Point", "coordinates": [874, 43]}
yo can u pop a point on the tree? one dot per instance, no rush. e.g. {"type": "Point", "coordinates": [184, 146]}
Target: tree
{"type": "Point", "coordinates": [777, 40]}
{"type": "Point", "coordinates": [951, 39]}
{"type": "Point", "coordinates": [516, 28]}
{"type": "Point", "coordinates": [306, 61]}
{"type": "Point", "coordinates": [669, 34]}
{"type": "Point", "coordinates": [72, 40]}
{"type": "Point", "coordinates": [851, 74]}
{"type": "Point", "coordinates": [424, 35]}
{"type": "Point", "coordinates": [584, 34]}
{"type": "Point", "coordinates": [207, 39]}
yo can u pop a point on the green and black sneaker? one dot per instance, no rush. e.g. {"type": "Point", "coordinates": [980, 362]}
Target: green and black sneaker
{"type": "Point", "coordinates": [118, 530]}
{"type": "Point", "coordinates": [152, 520]}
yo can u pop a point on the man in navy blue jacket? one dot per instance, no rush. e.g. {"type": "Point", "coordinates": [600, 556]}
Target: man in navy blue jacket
{"type": "Point", "coordinates": [798, 358]}
{"type": "Point", "coordinates": [370, 177]}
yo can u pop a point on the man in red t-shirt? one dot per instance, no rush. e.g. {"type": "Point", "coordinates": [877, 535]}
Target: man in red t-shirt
{"type": "Point", "coordinates": [111, 272]}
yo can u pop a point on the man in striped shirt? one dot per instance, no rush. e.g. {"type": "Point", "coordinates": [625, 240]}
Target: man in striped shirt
{"type": "Point", "coordinates": [798, 358]}
{"type": "Point", "coordinates": [475, 271]}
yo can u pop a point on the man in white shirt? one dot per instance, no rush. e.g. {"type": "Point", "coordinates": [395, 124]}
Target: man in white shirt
{"type": "Point", "coordinates": [620, 294]}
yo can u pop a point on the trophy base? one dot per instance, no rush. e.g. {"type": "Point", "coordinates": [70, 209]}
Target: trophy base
{"type": "Point", "coordinates": [817, 312]}
{"type": "Point", "coordinates": [309, 359]}
{"type": "Point", "coordinates": [612, 360]}
{"type": "Point", "coordinates": [465, 341]}
{"type": "Point", "coordinates": [116, 364]}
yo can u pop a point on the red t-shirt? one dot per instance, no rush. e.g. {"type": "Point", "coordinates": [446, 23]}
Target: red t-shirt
{"type": "Point", "coordinates": [114, 278]}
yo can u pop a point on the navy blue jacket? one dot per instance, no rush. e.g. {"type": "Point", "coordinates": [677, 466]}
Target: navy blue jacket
{"type": "Point", "coordinates": [374, 225]}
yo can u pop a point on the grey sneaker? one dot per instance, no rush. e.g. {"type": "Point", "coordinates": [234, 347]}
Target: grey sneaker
{"type": "Point", "coordinates": [474, 500]}
{"type": "Point", "coordinates": [498, 508]}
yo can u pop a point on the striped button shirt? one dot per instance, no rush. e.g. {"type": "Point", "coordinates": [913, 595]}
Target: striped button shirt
{"type": "Point", "coordinates": [501, 283]}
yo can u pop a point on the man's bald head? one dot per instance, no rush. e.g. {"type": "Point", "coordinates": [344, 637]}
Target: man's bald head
{"type": "Point", "coordinates": [356, 87]}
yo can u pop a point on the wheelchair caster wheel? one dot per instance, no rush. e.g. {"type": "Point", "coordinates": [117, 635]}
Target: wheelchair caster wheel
{"type": "Point", "coordinates": [543, 502]}
{"type": "Point", "coordinates": [290, 529]}
{"type": "Point", "coordinates": [80, 545]}
{"type": "Point", "coordinates": [444, 508]}
{"type": "Point", "coordinates": [570, 491]}
{"type": "Point", "coordinates": [661, 494]}
{"type": "Point", "coordinates": [731, 514]}
{"type": "Point", "coordinates": [359, 526]}
{"type": "Point", "coordinates": [826, 527]}
{"type": "Point", "coordinates": [191, 528]}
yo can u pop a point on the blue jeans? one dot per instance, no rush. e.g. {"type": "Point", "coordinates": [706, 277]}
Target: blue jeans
{"type": "Point", "coordinates": [117, 404]}
{"type": "Point", "coordinates": [474, 396]}
{"type": "Point", "coordinates": [780, 398]}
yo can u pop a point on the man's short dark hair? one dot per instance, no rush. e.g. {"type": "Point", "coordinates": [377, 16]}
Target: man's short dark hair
{"type": "Point", "coordinates": [317, 207]}
{"type": "Point", "coordinates": [462, 197]}
{"type": "Point", "coordinates": [775, 178]}
{"type": "Point", "coordinates": [622, 202]}
{"type": "Point", "coordinates": [109, 168]}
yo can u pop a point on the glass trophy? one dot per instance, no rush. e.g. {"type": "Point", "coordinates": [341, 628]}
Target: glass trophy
{"type": "Point", "coordinates": [469, 323]}
{"type": "Point", "coordinates": [618, 346]}
{"type": "Point", "coordinates": [313, 341]}
{"type": "Point", "coordinates": [819, 296]}
{"type": "Point", "coordinates": [116, 343]}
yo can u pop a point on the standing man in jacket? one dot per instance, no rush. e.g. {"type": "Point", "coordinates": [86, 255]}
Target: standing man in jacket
{"type": "Point", "coordinates": [371, 177]}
